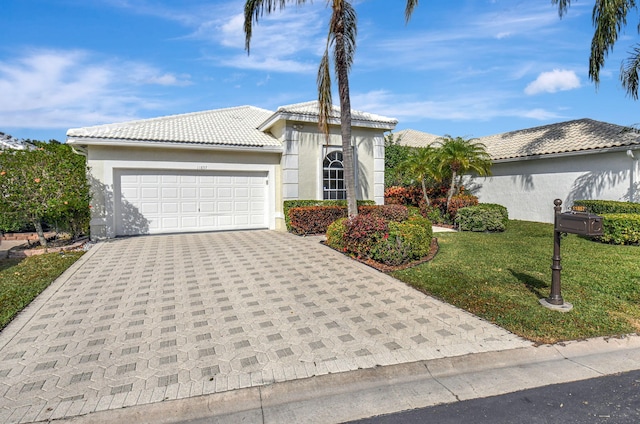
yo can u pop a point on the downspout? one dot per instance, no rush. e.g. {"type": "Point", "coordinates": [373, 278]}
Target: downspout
{"type": "Point", "coordinates": [633, 176]}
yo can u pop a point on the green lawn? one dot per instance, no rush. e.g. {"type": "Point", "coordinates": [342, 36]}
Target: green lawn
{"type": "Point", "coordinates": [501, 276]}
{"type": "Point", "coordinates": [21, 280]}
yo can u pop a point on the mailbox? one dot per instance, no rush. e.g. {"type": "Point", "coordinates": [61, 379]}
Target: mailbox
{"type": "Point", "coordinates": [582, 223]}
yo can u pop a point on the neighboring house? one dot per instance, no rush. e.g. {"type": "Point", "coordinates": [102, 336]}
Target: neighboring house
{"type": "Point", "coordinates": [222, 169]}
{"type": "Point", "coordinates": [413, 138]}
{"type": "Point", "coordinates": [581, 159]}
{"type": "Point", "coordinates": [8, 142]}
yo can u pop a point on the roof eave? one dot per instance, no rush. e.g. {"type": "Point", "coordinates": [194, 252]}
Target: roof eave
{"type": "Point", "coordinates": [299, 117]}
{"type": "Point", "coordinates": [91, 141]}
{"type": "Point", "coordinates": [593, 151]}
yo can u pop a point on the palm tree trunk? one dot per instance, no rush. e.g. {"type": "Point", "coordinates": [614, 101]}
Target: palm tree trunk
{"type": "Point", "coordinates": [424, 193]}
{"type": "Point", "coordinates": [452, 188]}
{"type": "Point", "coordinates": [345, 121]}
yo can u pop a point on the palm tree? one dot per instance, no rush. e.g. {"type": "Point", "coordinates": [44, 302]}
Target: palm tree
{"type": "Point", "coordinates": [609, 18]}
{"type": "Point", "coordinates": [422, 166]}
{"type": "Point", "coordinates": [342, 39]}
{"type": "Point", "coordinates": [459, 155]}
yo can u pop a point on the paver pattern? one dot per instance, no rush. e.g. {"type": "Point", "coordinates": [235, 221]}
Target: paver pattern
{"type": "Point", "coordinates": [146, 319]}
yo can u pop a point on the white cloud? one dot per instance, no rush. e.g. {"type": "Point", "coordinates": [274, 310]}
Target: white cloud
{"type": "Point", "coordinates": [467, 107]}
{"type": "Point", "coordinates": [66, 88]}
{"type": "Point", "coordinates": [551, 82]}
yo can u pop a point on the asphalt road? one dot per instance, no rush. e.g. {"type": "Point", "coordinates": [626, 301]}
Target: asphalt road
{"type": "Point", "coordinates": [612, 400]}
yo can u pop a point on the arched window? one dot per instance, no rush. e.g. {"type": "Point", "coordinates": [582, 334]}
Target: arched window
{"type": "Point", "coordinates": [333, 177]}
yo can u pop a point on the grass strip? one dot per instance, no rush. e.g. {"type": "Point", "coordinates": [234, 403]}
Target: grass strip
{"type": "Point", "coordinates": [21, 280]}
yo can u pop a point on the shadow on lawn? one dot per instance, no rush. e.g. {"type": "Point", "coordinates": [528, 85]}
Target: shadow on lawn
{"type": "Point", "coordinates": [534, 285]}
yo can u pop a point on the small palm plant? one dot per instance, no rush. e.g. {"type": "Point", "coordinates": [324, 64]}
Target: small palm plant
{"type": "Point", "coordinates": [456, 156]}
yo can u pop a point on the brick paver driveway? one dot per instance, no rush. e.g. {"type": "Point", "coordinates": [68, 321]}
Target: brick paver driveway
{"type": "Point", "coordinates": [145, 319]}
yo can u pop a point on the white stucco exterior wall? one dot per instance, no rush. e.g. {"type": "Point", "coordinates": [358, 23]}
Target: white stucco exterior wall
{"type": "Point", "coordinates": [528, 187]}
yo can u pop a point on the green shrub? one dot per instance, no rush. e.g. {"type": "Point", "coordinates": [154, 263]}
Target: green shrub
{"type": "Point", "coordinates": [457, 202]}
{"type": "Point", "coordinates": [335, 234]}
{"type": "Point", "coordinates": [363, 232]}
{"type": "Point", "coordinates": [621, 228]}
{"type": "Point", "coordinates": [406, 241]}
{"type": "Point", "coordinates": [600, 207]}
{"type": "Point", "coordinates": [479, 219]}
{"type": "Point", "coordinates": [499, 208]}
{"type": "Point", "coordinates": [289, 204]}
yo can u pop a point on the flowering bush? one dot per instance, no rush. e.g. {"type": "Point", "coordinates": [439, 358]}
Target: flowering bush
{"type": "Point", "coordinates": [362, 232]}
{"type": "Point", "coordinates": [389, 242]}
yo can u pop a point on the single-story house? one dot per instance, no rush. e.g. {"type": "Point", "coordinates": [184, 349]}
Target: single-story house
{"type": "Point", "coordinates": [9, 143]}
{"type": "Point", "coordinates": [579, 159]}
{"type": "Point", "coordinates": [222, 169]}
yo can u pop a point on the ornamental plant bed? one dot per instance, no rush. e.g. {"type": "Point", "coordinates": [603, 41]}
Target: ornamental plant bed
{"type": "Point", "coordinates": [56, 245]}
{"type": "Point", "coordinates": [433, 250]}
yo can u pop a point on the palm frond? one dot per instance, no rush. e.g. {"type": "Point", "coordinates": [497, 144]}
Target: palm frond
{"type": "Point", "coordinates": [629, 73]}
{"type": "Point", "coordinates": [344, 23]}
{"type": "Point", "coordinates": [255, 9]}
{"type": "Point", "coordinates": [325, 101]}
{"type": "Point", "coordinates": [609, 17]}
{"type": "Point", "coordinates": [563, 6]}
{"type": "Point", "coordinates": [411, 4]}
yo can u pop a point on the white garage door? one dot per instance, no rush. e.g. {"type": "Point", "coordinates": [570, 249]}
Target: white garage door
{"type": "Point", "coordinates": [154, 202]}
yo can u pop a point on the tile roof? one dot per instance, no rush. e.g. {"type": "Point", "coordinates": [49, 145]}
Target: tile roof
{"type": "Point", "coordinates": [413, 138]}
{"type": "Point", "coordinates": [309, 111]}
{"type": "Point", "coordinates": [563, 137]}
{"type": "Point", "coordinates": [235, 126]}
{"type": "Point", "coordinates": [8, 142]}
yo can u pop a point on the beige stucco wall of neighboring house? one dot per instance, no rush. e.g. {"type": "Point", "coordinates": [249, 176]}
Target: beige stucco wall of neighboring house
{"type": "Point", "coordinates": [528, 187]}
{"type": "Point", "coordinates": [104, 161]}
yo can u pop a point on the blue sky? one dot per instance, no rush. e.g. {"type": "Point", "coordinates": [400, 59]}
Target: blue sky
{"type": "Point", "coordinates": [464, 68]}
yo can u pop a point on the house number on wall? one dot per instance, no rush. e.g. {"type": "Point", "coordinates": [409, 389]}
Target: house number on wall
{"type": "Point", "coordinates": [202, 166]}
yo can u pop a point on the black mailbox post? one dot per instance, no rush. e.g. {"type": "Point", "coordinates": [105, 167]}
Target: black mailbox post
{"type": "Point", "coordinates": [575, 222]}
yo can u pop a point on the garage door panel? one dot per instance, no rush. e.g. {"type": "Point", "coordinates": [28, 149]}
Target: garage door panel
{"type": "Point", "coordinates": [170, 193]}
{"type": "Point", "coordinates": [170, 207]}
{"type": "Point", "coordinates": [150, 193]}
{"type": "Point", "coordinates": [189, 192]}
{"type": "Point", "coordinates": [174, 201]}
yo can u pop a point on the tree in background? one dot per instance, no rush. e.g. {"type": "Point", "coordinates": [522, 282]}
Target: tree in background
{"type": "Point", "coordinates": [421, 165]}
{"type": "Point", "coordinates": [48, 184]}
{"type": "Point", "coordinates": [394, 155]}
{"type": "Point", "coordinates": [458, 155]}
{"type": "Point", "coordinates": [342, 39]}
{"type": "Point", "coordinates": [609, 18]}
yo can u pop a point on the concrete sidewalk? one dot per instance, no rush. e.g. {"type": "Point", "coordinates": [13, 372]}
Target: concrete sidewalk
{"type": "Point", "coordinates": [6, 245]}
{"type": "Point", "coordinates": [337, 398]}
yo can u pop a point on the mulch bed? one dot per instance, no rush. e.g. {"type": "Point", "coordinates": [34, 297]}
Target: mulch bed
{"type": "Point", "coordinates": [53, 246]}
{"type": "Point", "coordinates": [388, 268]}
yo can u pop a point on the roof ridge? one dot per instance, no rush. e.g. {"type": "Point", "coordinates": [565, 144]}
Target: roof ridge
{"type": "Point", "coordinates": [176, 115]}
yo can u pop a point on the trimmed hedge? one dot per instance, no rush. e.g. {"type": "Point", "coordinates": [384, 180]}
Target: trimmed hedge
{"type": "Point", "coordinates": [621, 228]}
{"type": "Point", "coordinates": [288, 204]}
{"type": "Point", "coordinates": [483, 217]}
{"type": "Point", "coordinates": [316, 219]}
{"type": "Point", "coordinates": [600, 207]}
